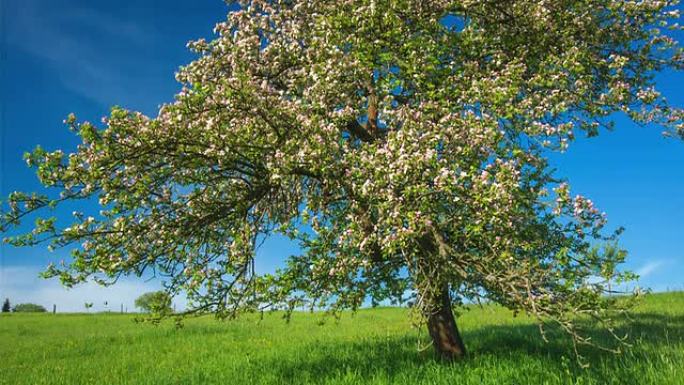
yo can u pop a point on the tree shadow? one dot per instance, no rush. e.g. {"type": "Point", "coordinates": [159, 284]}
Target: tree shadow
{"type": "Point", "coordinates": [516, 346]}
{"type": "Point", "coordinates": [646, 334]}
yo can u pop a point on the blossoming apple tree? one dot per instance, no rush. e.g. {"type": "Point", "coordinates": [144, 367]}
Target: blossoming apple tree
{"type": "Point", "coordinates": [402, 143]}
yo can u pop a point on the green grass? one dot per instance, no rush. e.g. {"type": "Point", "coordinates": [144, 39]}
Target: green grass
{"type": "Point", "coordinates": [375, 346]}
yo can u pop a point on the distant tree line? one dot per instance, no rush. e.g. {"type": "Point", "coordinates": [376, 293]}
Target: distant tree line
{"type": "Point", "coordinates": [22, 307]}
{"type": "Point", "coordinates": [158, 302]}
{"type": "Point", "coordinates": [28, 308]}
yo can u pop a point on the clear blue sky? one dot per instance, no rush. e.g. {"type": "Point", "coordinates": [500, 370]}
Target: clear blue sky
{"type": "Point", "coordinates": [62, 56]}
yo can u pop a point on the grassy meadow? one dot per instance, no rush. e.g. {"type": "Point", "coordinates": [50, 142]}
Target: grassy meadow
{"type": "Point", "coordinates": [375, 346]}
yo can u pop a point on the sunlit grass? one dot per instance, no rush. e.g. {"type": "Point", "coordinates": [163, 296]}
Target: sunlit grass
{"type": "Point", "coordinates": [375, 346]}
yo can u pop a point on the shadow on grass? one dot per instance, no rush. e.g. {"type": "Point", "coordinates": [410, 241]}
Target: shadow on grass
{"type": "Point", "coordinates": [519, 347]}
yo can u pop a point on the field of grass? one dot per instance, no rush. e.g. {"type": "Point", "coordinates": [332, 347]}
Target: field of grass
{"type": "Point", "coordinates": [376, 346]}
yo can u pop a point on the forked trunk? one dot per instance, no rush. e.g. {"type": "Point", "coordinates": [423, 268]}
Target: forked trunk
{"type": "Point", "coordinates": [442, 327]}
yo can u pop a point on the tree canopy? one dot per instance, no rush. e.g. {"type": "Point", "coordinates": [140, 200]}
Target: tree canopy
{"type": "Point", "coordinates": [403, 144]}
{"type": "Point", "coordinates": [6, 306]}
{"type": "Point", "coordinates": [158, 302]}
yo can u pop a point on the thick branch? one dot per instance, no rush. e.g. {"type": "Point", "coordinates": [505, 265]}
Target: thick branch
{"type": "Point", "coordinates": [359, 131]}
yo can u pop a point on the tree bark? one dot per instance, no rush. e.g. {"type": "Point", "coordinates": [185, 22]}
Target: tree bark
{"type": "Point", "coordinates": [443, 330]}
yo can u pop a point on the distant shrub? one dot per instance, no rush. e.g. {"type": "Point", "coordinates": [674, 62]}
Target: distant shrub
{"type": "Point", "coordinates": [154, 302]}
{"type": "Point", "coordinates": [28, 308]}
{"type": "Point", "coordinates": [6, 306]}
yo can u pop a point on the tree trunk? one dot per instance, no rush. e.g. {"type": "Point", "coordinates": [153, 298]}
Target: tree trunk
{"type": "Point", "coordinates": [443, 330]}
